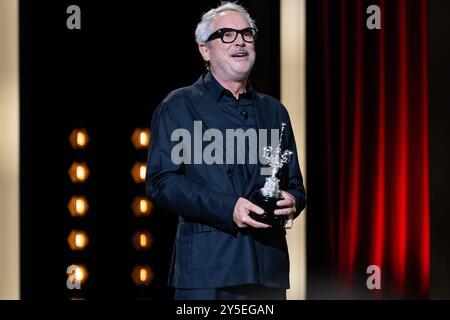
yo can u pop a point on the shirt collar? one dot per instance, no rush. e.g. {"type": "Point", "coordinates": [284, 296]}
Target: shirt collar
{"type": "Point", "coordinates": [218, 91]}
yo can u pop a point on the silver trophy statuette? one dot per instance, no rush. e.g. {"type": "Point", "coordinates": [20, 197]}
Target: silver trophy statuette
{"type": "Point", "coordinates": [267, 196]}
{"type": "Point", "coordinates": [276, 160]}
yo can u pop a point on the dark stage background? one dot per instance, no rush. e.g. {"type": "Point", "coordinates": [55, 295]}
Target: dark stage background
{"type": "Point", "coordinates": [107, 77]}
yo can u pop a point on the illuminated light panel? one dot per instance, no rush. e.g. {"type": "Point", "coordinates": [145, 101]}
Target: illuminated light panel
{"type": "Point", "coordinates": [141, 138]}
{"type": "Point", "coordinates": [78, 206]}
{"type": "Point", "coordinates": [79, 138]}
{"type": "Point", "coordinates": [77, 273]}
{"type": "Point", "coordinates": [142, 207]}
{"type": "Point", "coordinates": [78, 240]}
{"type": "Point", "coordinates": [78, 172]}
{"type": "Point", "coordinates": [142, 240]}
{"type": "Point", "coordinates": [138, 172]}
{"type": "Point", "coordinates": [142, 275]}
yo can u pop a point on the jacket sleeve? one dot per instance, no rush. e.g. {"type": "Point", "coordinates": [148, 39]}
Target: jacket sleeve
{"type": "Point", "coordinates": [295, 180]}
{"type": "Point", "coordinates": [168, 186]}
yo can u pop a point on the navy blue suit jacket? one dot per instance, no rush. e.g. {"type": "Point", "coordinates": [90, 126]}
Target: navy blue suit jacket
{"type": "Point", "coordinates": [209, 250]}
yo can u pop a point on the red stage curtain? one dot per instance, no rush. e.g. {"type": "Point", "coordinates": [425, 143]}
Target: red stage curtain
{"type": "Point", "coordinates": [375, 141]}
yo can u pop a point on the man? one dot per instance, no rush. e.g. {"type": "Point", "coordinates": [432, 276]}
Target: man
{"type": "Point", "coordinates": [220, 252]}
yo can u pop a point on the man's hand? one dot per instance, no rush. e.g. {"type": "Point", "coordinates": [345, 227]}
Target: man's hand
{"type": "Point", "coordinates": [240, 215]}
{"type": "Point", "coordinates": [289, 207]}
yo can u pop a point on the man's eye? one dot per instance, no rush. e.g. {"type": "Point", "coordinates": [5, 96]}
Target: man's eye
{"type": "Point", "coordinates": [229, 34]}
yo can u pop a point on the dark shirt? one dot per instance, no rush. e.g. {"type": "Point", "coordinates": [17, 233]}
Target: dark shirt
{"type": "Point", "coordinates": [238, 113]}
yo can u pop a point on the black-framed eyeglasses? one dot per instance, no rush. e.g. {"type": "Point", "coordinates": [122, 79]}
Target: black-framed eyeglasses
{"type": "Point", "coordinates": [229, 35]}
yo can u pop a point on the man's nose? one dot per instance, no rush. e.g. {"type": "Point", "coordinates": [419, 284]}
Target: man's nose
{"type": "Point", "coordinates": [240, 40]}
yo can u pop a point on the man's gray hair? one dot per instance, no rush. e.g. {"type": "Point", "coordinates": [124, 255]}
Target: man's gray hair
{"type": "Point", "coordinates": [204, 27]}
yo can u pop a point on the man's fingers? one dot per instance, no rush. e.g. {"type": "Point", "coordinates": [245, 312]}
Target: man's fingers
{"type": "Point", "coordinates": [289, 224]}
{"type": "Point", "coordinates": [255, 224]}
{"type": "Point", "coordinates": [254, 208]}
{"type": "Point", "coordinates": [287, 202]}
{"type": "Point", "coordinates": [285, 211]}
{"type": "Point", "coordinates": [241, 224]}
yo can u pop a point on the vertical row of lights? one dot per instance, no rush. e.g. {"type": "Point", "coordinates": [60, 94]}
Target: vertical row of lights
{"type": "Point", "coordinates": [142, 274]}
{"type": "Point", "coordinates": [78, 207]}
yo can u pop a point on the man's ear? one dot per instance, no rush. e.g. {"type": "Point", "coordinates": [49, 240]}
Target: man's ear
{"type": "Point", "coordinates": [204, 51]}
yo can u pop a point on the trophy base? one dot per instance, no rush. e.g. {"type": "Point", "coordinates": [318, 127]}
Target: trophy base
{"type": "Point", "coordinates": [269, 204]}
